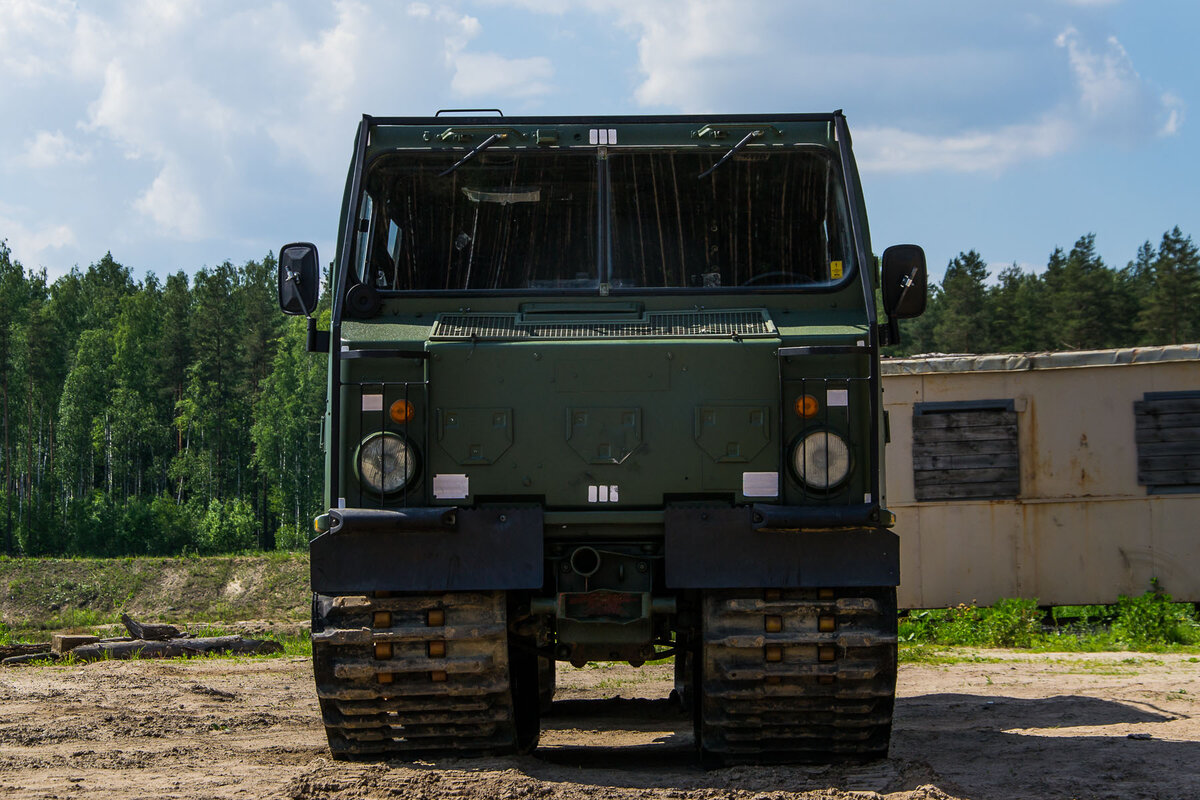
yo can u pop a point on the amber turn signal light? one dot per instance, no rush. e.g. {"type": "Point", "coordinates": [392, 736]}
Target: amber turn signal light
{"type": "Point", "coordinates": [807, 406]}
{"type": "Point", "coordinates": [401, 411]}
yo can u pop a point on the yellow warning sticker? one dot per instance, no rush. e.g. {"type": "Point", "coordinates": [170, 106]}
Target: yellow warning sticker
{"type": "Point", "coordinates": [835, 269]}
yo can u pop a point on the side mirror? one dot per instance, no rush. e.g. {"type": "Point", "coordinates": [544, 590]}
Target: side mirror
{"type": "Point", "coordinates": [904, 281]}
{"type": "Point", "coordinates": [299, 278]}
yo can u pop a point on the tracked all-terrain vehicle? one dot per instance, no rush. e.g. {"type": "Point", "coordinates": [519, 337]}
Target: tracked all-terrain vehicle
{"type": "Point", "coordinates": [605, 389]}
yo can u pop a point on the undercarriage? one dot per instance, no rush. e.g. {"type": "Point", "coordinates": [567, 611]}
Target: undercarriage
{"type": "Point", "coordinates": [770, 675]}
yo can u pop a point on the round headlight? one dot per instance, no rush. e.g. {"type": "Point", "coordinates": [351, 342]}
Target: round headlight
{"type": "Point", "coordinates": [822, 459]}
{"type": "Point", "coordinates": [386, 463]}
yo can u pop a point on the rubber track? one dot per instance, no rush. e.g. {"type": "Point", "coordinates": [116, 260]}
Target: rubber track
{"type": "Point", "coordinates": [384, 690]}
{"type": "Point", "coordinates": [799, 694]}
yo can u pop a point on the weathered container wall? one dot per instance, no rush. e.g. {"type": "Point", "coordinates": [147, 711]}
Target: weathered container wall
{"type": "Point", "coordinates": [1081, 528]}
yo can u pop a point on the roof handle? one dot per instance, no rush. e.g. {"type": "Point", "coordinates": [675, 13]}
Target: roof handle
{"type": "Point", "coordinates": [495, 111]}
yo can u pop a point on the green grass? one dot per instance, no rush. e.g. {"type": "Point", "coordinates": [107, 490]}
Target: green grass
{"type": "Point", "coordinates": [75, 619]}
{"type": "Point", "coordinates": [1149, 623]}
{"type": "Point", "coordinates": [294, 645]}
{"type": "Point", "coordinates": [1126, 666]}
{"type": "Point", "coordinates": [933, 655]}
{"type": "Point", "coordinates": [938, 656]}
{"type": "Point", "coordinates": [618, 683]}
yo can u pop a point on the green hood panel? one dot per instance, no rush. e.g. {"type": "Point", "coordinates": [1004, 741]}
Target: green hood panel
{"type": "Point", "coordinates": [622, 423]}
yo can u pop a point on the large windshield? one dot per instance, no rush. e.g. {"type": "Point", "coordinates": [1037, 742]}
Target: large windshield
{"type": "Point", "coordinates": [621, 220]}
{"type": "Point", "coordinates": [504, 220]}
{"type": "Point", "coordinates": [760, 219]}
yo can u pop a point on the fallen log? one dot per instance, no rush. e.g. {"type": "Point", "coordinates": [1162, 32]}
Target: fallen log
{"type": "Point", "coordinates": [150, 630]}
{"type": "Point", "coordinates": [28, 658]}
{"type": "Point", "coordinates": [14, 650]}
{"type": "Point", "coordinates": [176, 648]}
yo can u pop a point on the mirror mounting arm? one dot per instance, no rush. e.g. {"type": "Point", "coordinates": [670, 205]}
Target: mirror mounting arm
{"type": "Point", "coordinates": [889, 332]}
{"type": "Point", "coordinates": [316, 341]}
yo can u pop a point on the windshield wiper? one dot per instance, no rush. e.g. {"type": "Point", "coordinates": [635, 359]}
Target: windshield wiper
{"type": "Point", "coordinates": [484, 145]}
{"type": "Point", "coordinates": [732, 152]}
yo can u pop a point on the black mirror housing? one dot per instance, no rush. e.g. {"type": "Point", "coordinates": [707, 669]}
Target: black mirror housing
{"type": "Point", "coordinates": [904, 281]}
{"type": "Point", "coordinates": [299, 278]}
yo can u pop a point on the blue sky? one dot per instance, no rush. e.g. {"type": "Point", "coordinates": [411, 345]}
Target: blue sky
{"type": "Point", "coordinates": [182, 134]}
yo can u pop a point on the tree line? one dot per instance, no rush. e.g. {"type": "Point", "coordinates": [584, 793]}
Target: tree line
{"type": "Point", "coordinates": [183, 415]}
{"type": "Point", "coordinates": [154, 417]}
{"type": "Point", "coordinates": [1076, 303]}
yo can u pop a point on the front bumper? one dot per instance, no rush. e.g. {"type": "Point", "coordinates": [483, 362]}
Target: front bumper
{"type": "Point", "coordinates": [778, 547]}
{"type": "Point", "coordinates": [705, 547]}
{"type": "Point", "coordinates": [428, 550]}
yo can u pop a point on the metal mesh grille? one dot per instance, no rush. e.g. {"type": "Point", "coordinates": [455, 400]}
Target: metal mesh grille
{"type": "Point", "coordinates": [653, 324]}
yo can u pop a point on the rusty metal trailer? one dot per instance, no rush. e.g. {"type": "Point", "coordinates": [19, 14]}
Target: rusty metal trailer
{"type": "Point", "coordinates": [1067, 477]}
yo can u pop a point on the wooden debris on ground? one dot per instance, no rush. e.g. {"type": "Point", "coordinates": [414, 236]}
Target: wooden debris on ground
{"type": "Point", "coordinates": [174, 648]}
{"type": "Point", "coordinates": [65, 642]}
{"type": "Point", "coordinates": [149, 640]}
{"type": "Point", "coordinates": [151, 631]}
{"type": "Point", "coordinates": [31, 658]}
{"type": "Point", "coordinates": [14, 650]}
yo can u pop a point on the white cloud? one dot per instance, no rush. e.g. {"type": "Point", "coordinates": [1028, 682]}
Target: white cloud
{"type": "Point", "coordinates": [490, 75]}
{"type": "Point", "coordinates": [218, 125]}
{"type": "Point", "coordinates": [25, 26]}
{"type": "Point", "coordinates": [463, 28]}
{"type": "Point", "coordinates": [710, 55]}
{"type": "Point", "coordinates": [330, 58]}
{"type": "Point", "coordinates": [116, 112]}
{"type": "Point", "coordinates": [48, 149]}
{"type": "Point", "coordinates": [172, 203]}
{"type": "Point", "coordinates": [1113, 98]}
{"type": "Point", "coordinates": [368, 60]}
{"type": "Point", "coordinates": [32, 244]}
{"type": "Point", "coordinates": [1173, 106]}
{"type": "Point", "coordinates": [536, 6]}
{"type": "Point", "coordinates": [1113, 102]}
{"type": "Point", "coordinates": [180, 125]}
{"type": "Point", "coordinates": [685, 49]}
{"type": "Point", "coordinates": [893, 150]}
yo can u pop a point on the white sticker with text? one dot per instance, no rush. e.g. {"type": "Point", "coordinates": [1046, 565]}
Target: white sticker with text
{"type": "Point", "coordinates": [451, 487]}
{"type": "Point", "coordinates": [760, 484]}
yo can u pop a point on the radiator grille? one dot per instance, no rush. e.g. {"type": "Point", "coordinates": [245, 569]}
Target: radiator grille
{"type": "Point", "coordinates": [659, 324]}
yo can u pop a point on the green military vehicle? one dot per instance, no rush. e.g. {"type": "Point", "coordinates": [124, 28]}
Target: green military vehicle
{"type": "Point", "coordinates": [605, 388]}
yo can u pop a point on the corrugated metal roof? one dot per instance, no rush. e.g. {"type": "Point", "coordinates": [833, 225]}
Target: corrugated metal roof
{"type": "Point", "coordinates": [1013, 362]}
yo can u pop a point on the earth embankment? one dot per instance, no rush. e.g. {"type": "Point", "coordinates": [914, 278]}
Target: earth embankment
{"type": "Point", "coordinates": [41, 594]}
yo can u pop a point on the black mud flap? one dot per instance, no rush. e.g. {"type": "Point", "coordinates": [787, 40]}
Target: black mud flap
{"type": "Point", "coordinates": [721, 548]}
{"type": "Point", "coordinates": [483, 549]}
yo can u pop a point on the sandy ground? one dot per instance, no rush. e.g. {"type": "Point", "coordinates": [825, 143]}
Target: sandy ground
{"type": "Point", "coordinates": [1110, 725]}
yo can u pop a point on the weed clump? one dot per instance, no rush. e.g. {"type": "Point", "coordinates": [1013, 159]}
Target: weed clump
{"type": "Point", "coordinates": [1013, 622]}
{"type": "Point", "coordinates": [1152, 621]}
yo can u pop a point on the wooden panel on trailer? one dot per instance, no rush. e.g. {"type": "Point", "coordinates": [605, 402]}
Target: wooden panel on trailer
{"type": "Point", "coordinates": [963, 452]}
